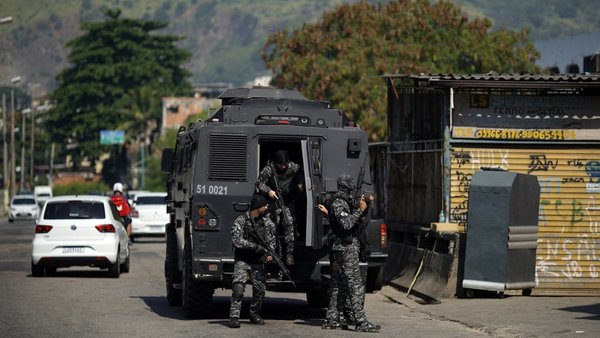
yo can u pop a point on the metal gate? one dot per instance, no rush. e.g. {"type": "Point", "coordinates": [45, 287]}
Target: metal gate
{"type": "Point", "coordinates": [568, 252]}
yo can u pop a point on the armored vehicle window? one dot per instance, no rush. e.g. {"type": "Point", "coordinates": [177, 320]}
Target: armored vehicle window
{"type": "Point", "coordinates": [228, 160]}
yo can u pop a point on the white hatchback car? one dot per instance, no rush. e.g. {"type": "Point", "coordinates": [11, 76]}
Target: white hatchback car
{"type": "Point", "coordinates": [23, 207]}
{"type": "Point", "coordinates": [149, 215]}
{"type": "Point", "coordinates": [82, 230]}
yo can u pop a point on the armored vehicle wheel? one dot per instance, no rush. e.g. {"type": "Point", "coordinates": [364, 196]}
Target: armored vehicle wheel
{"type": "Point", "coordinates": [374, 279]}
{"type": "Point", "coordinates": [317, 298]}
{"type": "Point", "coordinates": [196, 297]}
{"type": "Point", "coordinates": [172, 273]}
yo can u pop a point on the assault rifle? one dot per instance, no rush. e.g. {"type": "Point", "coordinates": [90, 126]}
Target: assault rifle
{"type": "Point", "coordinates": [358, 193]}
{"type": "Point", "coordinates": [270, 252]}
{"type": "Point", "coordinates": [286, 216]}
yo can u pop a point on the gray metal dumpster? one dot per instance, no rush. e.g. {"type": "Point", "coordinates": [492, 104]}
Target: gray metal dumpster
{"type": "Point", "coordinates": [502, 226]}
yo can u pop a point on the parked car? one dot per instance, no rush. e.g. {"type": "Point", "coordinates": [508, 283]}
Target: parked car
{"type": "Point", "coordinates": [149, 214]}
{"type": "Point", "coordinates": [42, 193]}
{"type": "Point", "coordinates": [23, 207]}
{"type": "Point", "coordinates": [83, 230]}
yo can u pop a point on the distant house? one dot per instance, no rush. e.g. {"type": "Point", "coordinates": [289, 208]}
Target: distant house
{"type": "Point", "coordinates": [175, 110]}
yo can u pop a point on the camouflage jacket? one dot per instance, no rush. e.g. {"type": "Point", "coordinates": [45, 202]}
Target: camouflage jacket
{"type": "Point", "coordinates": [289, 180]}
{"type": "Point", "coordinates": [244, 238]}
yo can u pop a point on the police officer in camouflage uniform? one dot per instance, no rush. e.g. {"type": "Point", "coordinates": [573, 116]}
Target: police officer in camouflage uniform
{"type": "Point", "coordinates": [290, 181]}
{"type": "Point", "coordinates": [344, 223]}
{"type": "Point", "coordinates": [250, 257]}
{"type": "Point", "coordinates": [335, 316]}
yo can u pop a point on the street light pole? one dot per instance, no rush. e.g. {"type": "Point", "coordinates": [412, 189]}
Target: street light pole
{"type": "Point", "coordinates": [13, 179]}
{"type": "Point", "coordinates": [22, 181]}
{"type": "Point", "coordinates": [13, 176]}
{"type": "Point", "coordinates": [5, 176]}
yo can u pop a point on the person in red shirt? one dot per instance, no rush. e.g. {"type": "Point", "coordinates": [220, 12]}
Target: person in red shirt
{"type": "Point", "coordinates": [122, 206]}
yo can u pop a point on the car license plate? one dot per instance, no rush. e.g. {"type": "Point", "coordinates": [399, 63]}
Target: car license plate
{"type": "Point", "coordinates": [73, 250]}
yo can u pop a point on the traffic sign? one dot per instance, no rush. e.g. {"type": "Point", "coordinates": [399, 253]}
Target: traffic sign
{"type": "Point", "coordinates": [112, 136]}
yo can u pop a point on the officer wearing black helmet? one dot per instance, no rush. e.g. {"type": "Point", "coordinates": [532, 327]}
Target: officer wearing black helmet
{"type": "Point", "coordinates": [344, 222]}
{"type": "Point", "coordinates": [250, 258]}
{"type": "Point", "coordinates": [286, 175]}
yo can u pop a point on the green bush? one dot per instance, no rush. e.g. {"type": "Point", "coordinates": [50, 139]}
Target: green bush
{"type": "Point", "coordinates": [80, 188]}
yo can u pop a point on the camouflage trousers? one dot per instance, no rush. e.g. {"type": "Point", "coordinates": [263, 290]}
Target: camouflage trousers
{"type": "Point", "coordinates": [242, 273]}
{"type": "Point", "coordinates": [288, 229]}
{"type": "Point", "coordinates": [351, 278]}
{"type": "Point", "coordinates": [338, 298]}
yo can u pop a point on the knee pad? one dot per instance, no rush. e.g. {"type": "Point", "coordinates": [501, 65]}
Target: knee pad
{"type": "Point", "coordinates": [238, 290]}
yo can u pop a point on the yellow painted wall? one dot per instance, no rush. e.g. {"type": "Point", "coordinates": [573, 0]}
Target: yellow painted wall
{"type": "Point", "coordinates": [568, 253]}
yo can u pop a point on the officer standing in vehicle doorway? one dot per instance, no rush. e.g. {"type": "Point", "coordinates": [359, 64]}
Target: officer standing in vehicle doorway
{"type": "Point", "coordinates": [280, 180]}
{"type": "Point", "coordinates": [250, 258]}
{"type": "Point", "coordinates": [345, 223]}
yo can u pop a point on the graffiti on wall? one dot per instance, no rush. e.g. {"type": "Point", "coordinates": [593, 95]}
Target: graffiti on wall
{"type": "Point", "coordinates": [569, 214]}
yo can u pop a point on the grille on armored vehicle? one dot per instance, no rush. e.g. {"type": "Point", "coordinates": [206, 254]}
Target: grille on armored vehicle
{"type": "Point", "coordinates": [227, 159]}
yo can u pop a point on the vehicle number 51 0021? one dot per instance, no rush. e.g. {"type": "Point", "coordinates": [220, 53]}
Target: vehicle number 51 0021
{"type": "Point", "coordinates": [211, 189]}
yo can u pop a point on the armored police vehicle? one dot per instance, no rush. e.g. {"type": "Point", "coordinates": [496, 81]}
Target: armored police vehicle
{"type": "Point", "coordinates": [211, 179]}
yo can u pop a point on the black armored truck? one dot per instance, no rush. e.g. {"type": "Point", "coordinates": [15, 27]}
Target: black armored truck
{"type": "Point", "coordinates": [211, 177]}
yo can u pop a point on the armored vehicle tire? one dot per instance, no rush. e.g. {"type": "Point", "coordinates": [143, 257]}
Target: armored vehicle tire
{"type": "Point", "coordinates": [317, 297]}
{"type": "Point", "coordinates": [50, 271]}
{"type": "Point", "coordinates": [114, 270]}
{"type": "Point", "coordinates": [196, 296]}
{"type": "Point", "coordinates": [374, 279]}
{"type": "Point", "coordinates": [172, 273]}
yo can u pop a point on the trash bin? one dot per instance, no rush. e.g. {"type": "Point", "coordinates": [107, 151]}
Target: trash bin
{"type": "Point", "coordinates": [502, 227]}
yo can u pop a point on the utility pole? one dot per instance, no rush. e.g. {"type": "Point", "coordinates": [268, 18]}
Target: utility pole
{"type": "Point", "coordinates": [22, 180]}
{"type": "Point", "coordinates": [13, 176]}
{"type": "Point", "coordinates": [5, 176]}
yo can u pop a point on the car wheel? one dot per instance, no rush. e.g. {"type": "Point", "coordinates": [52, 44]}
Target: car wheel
{"type": "Point", "coordinates": [374, 279]}
{"type": "Point", "coordinates": [11, 220]}
{"type": "Point", "coordinates": [50, 271]}
{"type": "Point", "coordinates": [114, 270]}
{"type": "Point", "coordinates": [37, 270]}
{"type": "Point", "coordinates": [125, 265]}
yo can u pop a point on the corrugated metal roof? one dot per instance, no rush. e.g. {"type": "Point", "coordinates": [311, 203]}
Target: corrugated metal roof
{"type": "Point", "coordinates": [503, 79]}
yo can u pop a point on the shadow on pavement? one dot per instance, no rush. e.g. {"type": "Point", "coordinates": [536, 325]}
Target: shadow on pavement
{"type": "Point", "coordinates": [274, 308]}
{"type": "Point", "coordinates": [593, 309]}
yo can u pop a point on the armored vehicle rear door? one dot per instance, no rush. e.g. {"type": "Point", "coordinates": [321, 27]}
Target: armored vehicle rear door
{"type": "Point", "coordinates": [313, 176]}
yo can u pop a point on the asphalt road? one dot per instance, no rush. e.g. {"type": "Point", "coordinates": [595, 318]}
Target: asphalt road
{"type": "Point", "coordinates": [84, 302]}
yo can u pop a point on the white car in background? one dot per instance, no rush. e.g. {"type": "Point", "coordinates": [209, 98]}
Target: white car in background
{"type": "Point", "coordinates": [23, 207]}
{"type": "Point", "coordinates": [79, 230]}
{"type": "Point", "coordinates": [149, 214]}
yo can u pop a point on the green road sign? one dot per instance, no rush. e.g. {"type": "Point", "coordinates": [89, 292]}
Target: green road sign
{"type": "Point", "coordinates": [112, 136]}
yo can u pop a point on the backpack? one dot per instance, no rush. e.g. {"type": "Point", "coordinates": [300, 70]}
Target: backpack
{"type": "Point", "coordinates": [122, 205]}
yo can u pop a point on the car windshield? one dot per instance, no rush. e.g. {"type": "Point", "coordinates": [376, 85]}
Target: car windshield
{"type": "Point", "coordinates": [143, 200]}
{"type": "Point", "coordinates": [74, 210]}
{"type": "Point", "coordinates": [23, 201]}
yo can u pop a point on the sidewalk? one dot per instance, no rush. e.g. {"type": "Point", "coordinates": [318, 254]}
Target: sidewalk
{"type": "Point", "coordinates": [513, 316]}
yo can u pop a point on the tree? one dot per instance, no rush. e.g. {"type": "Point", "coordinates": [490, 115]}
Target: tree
{"type": "Point", "coordinates": [112, 64]}
{"type": "Point", "coordinates": [342, 57]}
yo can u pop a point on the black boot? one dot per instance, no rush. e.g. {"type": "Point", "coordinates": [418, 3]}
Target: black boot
{"type": "Point", "coordinates": [234, 323]}
{"type": "Point", "coordinates": [366, 326]}
{"type": "Point", "coordinates": [256, 319]}
{"type": "Point", "coordinates": [331, 324]}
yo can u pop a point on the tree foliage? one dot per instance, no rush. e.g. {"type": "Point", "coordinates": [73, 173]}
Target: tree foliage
{"type": "Point", "coordinates": [342, 57]}
{"type": "Point", "coordinates": [119, 70]}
